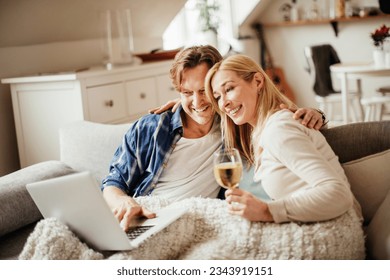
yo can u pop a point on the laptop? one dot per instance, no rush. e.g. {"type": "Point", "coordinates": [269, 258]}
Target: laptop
{"type": "Point", "coordinates": [77, 201]}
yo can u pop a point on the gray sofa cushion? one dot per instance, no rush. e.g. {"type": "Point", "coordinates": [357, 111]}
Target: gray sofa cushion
{"type": "Point", "coordinates": [17, 209]}
{"type": "Point", "coordinates": [12, 243]}
{"type": "Point", "coordinates": [378, 232]}
{"type": "Point", "coordinates": [370, 181]}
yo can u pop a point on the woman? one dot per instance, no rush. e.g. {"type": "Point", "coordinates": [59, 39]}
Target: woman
{"type": "Point", "coordinates": [297, 167]}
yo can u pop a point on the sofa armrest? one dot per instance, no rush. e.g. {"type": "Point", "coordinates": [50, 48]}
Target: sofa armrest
{"type": "Point", "coordinates": [356, 140]}
{"type": "Point", "coordinates": [17, 209]}
{"type": "Point", "coordinates": [89, 146]}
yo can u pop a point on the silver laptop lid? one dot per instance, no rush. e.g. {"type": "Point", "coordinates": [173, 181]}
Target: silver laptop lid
{"type": "Point", "coordinates": [77, 201]}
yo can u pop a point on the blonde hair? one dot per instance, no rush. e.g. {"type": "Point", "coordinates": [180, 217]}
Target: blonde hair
{"type": "Point", "coordinates": [244, 137]}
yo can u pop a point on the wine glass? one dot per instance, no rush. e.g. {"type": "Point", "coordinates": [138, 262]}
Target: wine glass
{"type": "Point", "coordinates": [228, 168]}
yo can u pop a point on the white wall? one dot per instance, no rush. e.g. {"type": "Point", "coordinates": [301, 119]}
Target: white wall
{"type": "Point", "coordinates": [45, 36]}
{"type": "Point", "coordinates": [286, 43]}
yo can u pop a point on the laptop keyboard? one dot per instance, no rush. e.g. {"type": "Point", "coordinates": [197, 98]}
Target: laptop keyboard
{"type": "Point", "coordinates": [133, 233]}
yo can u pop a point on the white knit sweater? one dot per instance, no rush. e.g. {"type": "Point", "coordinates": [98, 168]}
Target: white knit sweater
{"type": "Point", "coordinates": [301, 173]}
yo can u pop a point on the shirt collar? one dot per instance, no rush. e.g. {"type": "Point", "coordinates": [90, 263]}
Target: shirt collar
{"type": "Point", "coordinates": [176, 122]}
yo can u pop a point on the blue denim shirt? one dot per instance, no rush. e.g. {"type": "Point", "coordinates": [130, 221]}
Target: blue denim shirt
{"type": "Point", "coordinates": [138, 162]}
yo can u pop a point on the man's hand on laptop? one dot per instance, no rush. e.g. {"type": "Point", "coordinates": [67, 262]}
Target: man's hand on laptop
{"type": "Point", "coordinates": [128, 211]}
{"type": "Point", "coordinates": [124, 207]}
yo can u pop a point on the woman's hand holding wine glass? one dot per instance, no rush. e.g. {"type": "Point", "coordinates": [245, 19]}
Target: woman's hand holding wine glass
{"type": "Point", "coordinates": [228, 173]}
{"type": "Point", "coordinates": [228, 168]}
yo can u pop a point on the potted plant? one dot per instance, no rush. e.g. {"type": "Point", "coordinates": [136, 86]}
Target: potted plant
{"type": "Point", "coordinates": [209, 19]}
{"type": "Point", "coordinates": [379, 36]}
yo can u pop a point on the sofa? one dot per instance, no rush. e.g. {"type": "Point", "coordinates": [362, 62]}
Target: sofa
{"type": "Point", "coordinates": [362, 148]}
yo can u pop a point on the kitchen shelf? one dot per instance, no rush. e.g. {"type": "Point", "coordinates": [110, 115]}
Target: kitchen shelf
{"type": "Point", "coordinates": [333, 22]}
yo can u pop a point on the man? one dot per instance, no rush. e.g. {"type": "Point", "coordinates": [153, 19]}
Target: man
{"type": "Point", "coordinates": [170, 155]}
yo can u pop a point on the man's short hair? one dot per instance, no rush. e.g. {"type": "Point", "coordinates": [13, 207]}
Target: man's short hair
{"type": "Point", "coordinates": [191, 57]}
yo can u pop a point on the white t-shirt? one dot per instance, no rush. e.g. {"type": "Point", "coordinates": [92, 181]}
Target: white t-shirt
{"type": "Point", "coordinates": [300, 172]}
{"type": "Point", "coordinates": [189, 171]}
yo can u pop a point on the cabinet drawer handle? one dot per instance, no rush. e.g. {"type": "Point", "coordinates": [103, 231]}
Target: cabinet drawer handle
{"type": "Point", "coordinates": [142, 95]}
{"type": "Point", "coordinates": [109, 103]}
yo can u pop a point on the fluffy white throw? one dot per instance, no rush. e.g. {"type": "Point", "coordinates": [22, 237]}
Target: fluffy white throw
{"type": "Point", "coordinates": [208, 231]}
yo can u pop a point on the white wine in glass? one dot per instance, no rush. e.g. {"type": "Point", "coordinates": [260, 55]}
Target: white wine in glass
{"type": "Point", "coordinates": [228, 168]}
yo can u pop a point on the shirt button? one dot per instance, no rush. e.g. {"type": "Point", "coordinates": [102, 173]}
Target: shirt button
{"type": "Point", "coordinates": [165, 164]}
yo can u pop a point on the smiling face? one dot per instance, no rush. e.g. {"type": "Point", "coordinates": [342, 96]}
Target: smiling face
{"type": "Point", "coordinates": [237, 97]}
{"type": "Point", "coordinates": [199, 112]}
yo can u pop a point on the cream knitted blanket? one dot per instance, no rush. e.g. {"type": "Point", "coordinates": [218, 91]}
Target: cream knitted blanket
{"type": "Point", "coordinates": [208, 231]}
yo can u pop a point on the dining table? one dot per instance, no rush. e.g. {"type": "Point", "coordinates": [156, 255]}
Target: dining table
{"type": "Point", "coordinates": [348, 72]}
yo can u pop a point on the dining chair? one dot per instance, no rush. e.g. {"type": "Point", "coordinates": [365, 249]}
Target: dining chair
{"type": "Point", "coordinates": [375, 106]}
{"type": "Point", "coordinates": [383, 109]}
{"type": "Point", "coordinates": [319, 59]}
{"type": "Point", "coordinates": [384, 90]}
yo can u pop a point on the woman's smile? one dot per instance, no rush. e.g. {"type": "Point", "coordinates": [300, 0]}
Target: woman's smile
{"type": "Point", "coordinates": [234, 111]}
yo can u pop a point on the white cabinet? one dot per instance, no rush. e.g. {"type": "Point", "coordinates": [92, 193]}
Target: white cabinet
{"type": "Point", "coordinates": [106, 103]}
{"type": "Point", "coordinates": [165, 89]}
{"type": "Point", "coordinates": [141, 95]}
{"type": "Point", "coordinates": [42, 104]}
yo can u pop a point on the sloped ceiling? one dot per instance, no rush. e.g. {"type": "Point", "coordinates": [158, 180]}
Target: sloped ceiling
{"type": "Point", "coordinates": [31, 22]}
{"type": "Point", "coordinates": [253, 17]}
